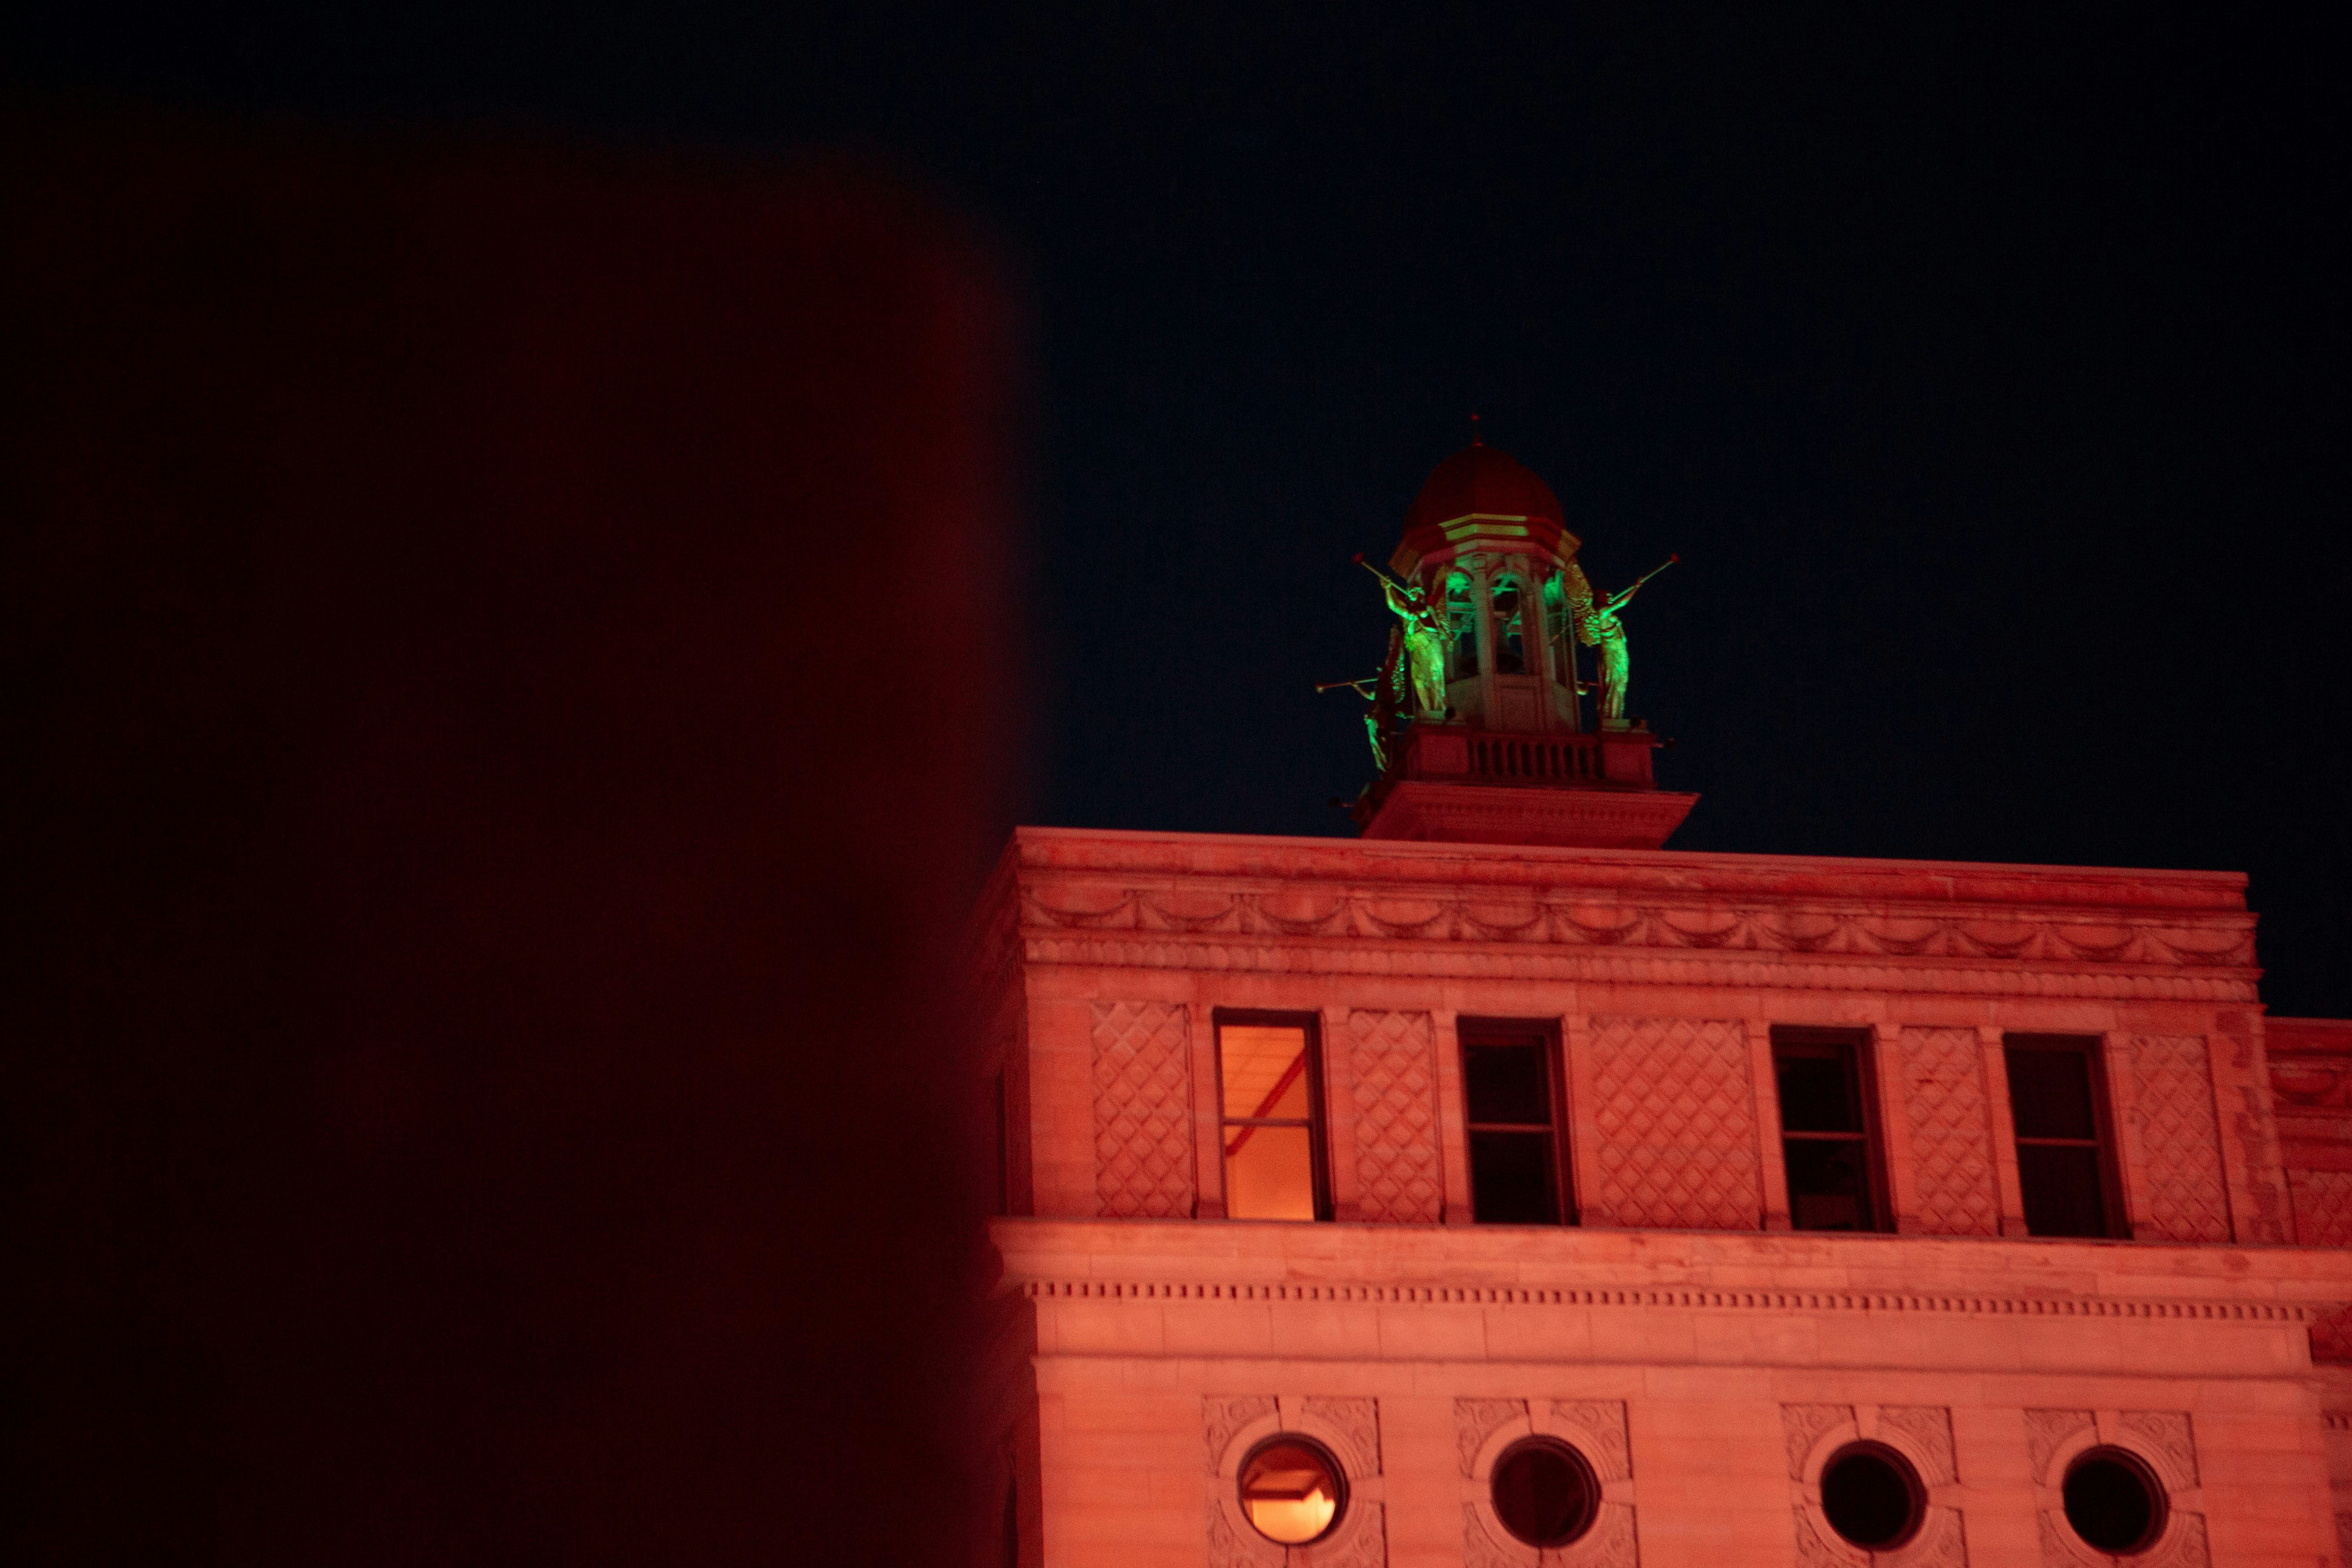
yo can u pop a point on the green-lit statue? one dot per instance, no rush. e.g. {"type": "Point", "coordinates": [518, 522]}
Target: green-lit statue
{"type": "Point", "coordinates": [1385, 720]}
{"type": "Point", "coordinates": [1426, 635]}
{"type": "Point", "coordinates": [1604, 631]}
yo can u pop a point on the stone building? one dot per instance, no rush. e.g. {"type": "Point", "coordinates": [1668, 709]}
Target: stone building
{"type": "Point", "coordinates": [1503, 1188]}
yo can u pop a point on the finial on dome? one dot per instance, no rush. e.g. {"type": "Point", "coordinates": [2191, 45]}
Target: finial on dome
{"type": "Point", "coordinates": [1473, 428]}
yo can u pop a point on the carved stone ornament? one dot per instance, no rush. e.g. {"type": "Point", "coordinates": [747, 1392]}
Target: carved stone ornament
{"type": "Point", "coordinates": [1485, 1428]}
{"type": "Point", "coordinates": [1597, 1426]}
{"type": "Point", "coordinates": [1928, 1428]}
{"type": "Point", "coordinates": [1357, 1424]}
{"type": "Point", "coordinates": [1803, 1426]}
{"type": "Point", "coordinates": [1819, 1548]}
{"type": "Point", "coordinates": [1349, 1428]}
{"type": "Point", "coordinates": [1475, 1420]}
{"type": "Point", "coordinates": [1233, 1546]}
{"type": "Point", "coordinates": [1222, 1416]}
{"type": "Point", "coordinates": [2164, 1435]}
{"type": "Point", "coordinates": [2047, 1432]}
{"type": "Point", "coordinates": [2164, 1440]}
{"type": "Point", "coordinates": [1941, 1542]}
{"type": "Point", "coordinates": [1922, 1434]}
{"type": "Point", "coordinates": [1611, 1542]}
{"type": "Point", "coordinates": [1481, 1547]}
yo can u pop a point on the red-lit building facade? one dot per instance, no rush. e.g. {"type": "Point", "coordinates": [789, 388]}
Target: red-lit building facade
{"type": "Point", "coordinates": [1501, 1189]}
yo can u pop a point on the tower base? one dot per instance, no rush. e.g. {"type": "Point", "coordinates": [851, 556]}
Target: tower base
{"type": "Point", "coordinates": [1503, 814]}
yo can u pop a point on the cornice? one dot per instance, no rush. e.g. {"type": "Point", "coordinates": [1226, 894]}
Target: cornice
{"type": "Point", "coordinates": [1399, 863]}
{"type": "Point", "coordinates": [2261, 1314]}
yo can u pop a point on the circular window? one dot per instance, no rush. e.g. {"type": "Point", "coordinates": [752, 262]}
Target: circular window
{"type": "Point", "coordinates": [2113, 1501]}
{"type": "Point", "coordinates": [1291, 1489]}
{"type": "Point", "coordinates": [1545, 1494]}
{"type": "Point", "coordinates": [1872, 1496]}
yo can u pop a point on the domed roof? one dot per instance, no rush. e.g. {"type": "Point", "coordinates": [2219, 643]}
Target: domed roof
{"type": "Point", "coordinates": [1482, 481]}
{"type": "Point", "coordinates": [1481, 499]}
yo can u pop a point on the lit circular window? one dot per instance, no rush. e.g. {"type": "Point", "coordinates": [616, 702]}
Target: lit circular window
{"type": "Point", "coordinates": [2113, 1501]}
{"type": "Point", "coordinates": [1291, 1489]}
{"type": "Point", "coordinates": [1872, 1496]}
{"type": "Point", "coordinates": [1545, 1494]}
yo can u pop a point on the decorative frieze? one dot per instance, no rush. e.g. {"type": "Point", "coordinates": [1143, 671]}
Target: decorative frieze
{"type": "Point", "coordinates": [1355, 928]}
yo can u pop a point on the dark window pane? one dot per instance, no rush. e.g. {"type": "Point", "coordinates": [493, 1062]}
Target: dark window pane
{"type": "Point", "coordinates": [2111, 1502]}
{"type": "Point", "coordinates": [1506, 1084]}
{"type": "Point", "coordinates": [2050, 1094]}
{"type": "Point", "coordinates": [1511, 1179]}
{"type": "Point", "coordinates": [2062, 1188]}
{"type": "Point", "coordinates": [1828, 1186]}
{"type": "Point", "coordinates": [1816, 1091]}
{"type": "Point", "coordinates": [1509, 657]}
{"type": "Point", "coordinates": [1545, 1494]}
{"type": "Point", "coordinates": [1869, 1501]}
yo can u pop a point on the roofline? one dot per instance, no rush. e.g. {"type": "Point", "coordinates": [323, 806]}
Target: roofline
{"type": "Point", "coordinates": [1411, 848]}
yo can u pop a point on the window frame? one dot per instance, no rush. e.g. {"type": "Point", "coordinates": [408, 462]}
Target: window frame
{"type": "Point", "coordinates": [2116, 1225]}
{"type": "Point", "coordinates": [1470, 1033]}
{"type": "Point", "coordinates": [1318, 1143]}
{"type": "Point", "coordinates": [1857, 1046]}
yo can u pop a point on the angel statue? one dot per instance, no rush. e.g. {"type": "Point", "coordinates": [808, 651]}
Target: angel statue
{"type": "Point", "coordinates": [1603, 630]}
{"type": "Point", "coordinates": [1426, 634]}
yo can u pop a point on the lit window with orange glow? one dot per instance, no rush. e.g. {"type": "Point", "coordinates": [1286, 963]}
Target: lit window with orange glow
{"type": "Point", "coordinates": [1272, 1129]}
{"type": "Point", "coordinates": [1291, 1491]}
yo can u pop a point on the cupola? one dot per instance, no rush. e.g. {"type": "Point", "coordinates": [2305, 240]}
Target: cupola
{"type": "Point", "coordinates": [1479, 722]}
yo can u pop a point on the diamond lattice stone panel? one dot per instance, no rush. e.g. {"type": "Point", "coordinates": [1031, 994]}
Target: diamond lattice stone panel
{"type": "Point", "coordinates": [1677, 1124]}
{"type": "Point", "coordinates": [1143, 1110]}
{"type": "Point", "coordinates": [2180, 1142]}
{"type": "Point", "coordinates": [1390, 1056]}
{"type": "Point", "coordinates": [2323, 1208]}
{"type": "Point", "coordinates": [1951, 1132]}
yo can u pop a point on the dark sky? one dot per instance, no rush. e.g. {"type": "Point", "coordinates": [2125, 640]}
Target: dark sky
{"type": "Point", "coordinates": [1987, 373]}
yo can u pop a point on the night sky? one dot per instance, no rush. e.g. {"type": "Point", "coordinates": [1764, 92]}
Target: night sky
{"type": "Point", "coordinates": [1987, 374]}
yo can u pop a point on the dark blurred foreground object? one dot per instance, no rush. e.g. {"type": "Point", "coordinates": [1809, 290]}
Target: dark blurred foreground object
{"type": "Point", "coordinates": [497, 645]}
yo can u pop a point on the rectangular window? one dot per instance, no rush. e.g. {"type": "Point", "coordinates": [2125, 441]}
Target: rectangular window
{"type": "Point", "coordinates": [1510, 1088]}
{"type": "Point", "coordinates": [1828, 1130]}
{"type": "Point", "coordinates": [2065, 1146]}
{"type": "Point", "coordinates": [1269, 1087]}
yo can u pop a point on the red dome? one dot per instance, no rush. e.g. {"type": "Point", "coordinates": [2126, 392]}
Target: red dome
{"type": "Point", "coordinates": [1485, 482]}
{"type": "Point", "coordinates": [1480, 498]}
